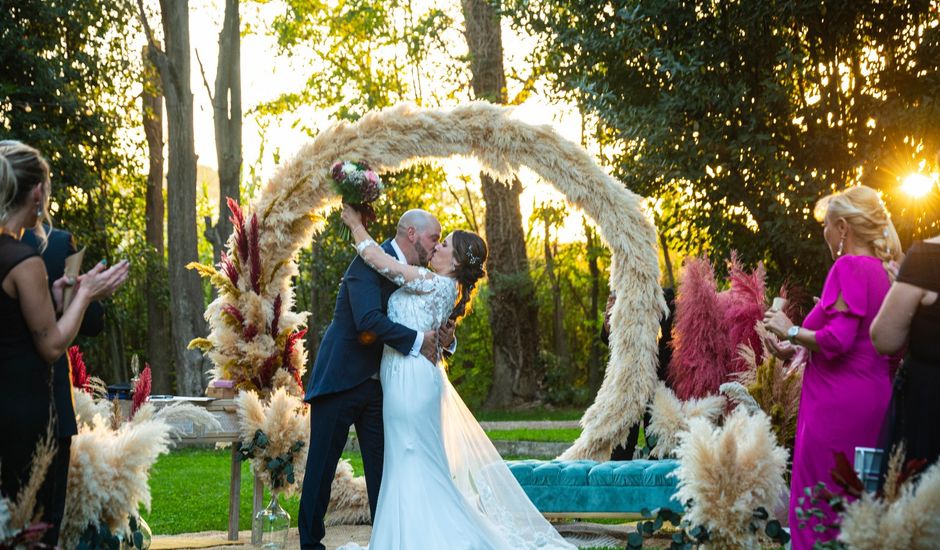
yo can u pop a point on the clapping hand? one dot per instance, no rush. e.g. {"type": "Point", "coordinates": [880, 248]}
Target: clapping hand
{"type": "Point", "coordinates": [99, 283]}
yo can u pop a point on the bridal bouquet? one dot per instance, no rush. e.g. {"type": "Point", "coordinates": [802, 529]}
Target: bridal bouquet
{"type": "Point", "coordinates": [359, 186]}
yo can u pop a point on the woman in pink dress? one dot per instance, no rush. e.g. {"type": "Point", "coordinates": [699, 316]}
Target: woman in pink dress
{"type": "Point", "coordinates": [847, 383]}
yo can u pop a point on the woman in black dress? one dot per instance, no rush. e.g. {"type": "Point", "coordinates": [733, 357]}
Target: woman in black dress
{"type": "Point", "coordinates": [910, 315]}
{"type": "Point", "coordinates": [31, 338]}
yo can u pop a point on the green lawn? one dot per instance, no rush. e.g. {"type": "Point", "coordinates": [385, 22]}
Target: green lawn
{"type": "Point", "coordinates": [563, 435]}
{"type": "Point", "coordinates": [531, 414]}
{"type": "Point", "coordinates": [190, 489]}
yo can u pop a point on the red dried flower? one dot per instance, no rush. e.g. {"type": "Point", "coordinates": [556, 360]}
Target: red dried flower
{"type": "Point", "coordinates": [228, 268]}
{"type": "Point", "coordinates": [141, 389]}
{"type": "Point", "coordinates": [276, 320]}
{"type": "Point", "coordinates": [238, 223]}
{"type": "Point", "coordinates": [78, 369]}
{"type": "Point", "coordinates": [235, 313]}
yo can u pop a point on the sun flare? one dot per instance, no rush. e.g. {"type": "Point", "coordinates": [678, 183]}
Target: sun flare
{"type": "Point", "coordinates": [918, 185]}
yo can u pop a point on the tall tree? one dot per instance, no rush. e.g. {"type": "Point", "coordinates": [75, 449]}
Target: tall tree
{"type": "Point", "coordinates": [513, 309]}
{"type": "Point", "coordinates": [187, 302]}
{"type": "Point", "coordinates": [227, 116]}
{"type": "Point", "coordinates": [66, 76]}
{"type": "Point", "coordinates": [747, 112]}
{"type": "Point", "coordinates": [158, 353]}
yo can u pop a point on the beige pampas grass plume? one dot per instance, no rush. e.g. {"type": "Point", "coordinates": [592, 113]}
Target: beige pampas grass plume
{"type": "Point", "coordinates": [911, 522]}
{"type": "Point", "coordinates": [670, 417]}
{"type": "Point", "coordinates": [349, 500]}
{"type": "Point", "coordinates": [727, 473]}
{"type": "Point", "coordinates": [284, 421]}
{"type": "Point", "coordinates": [25, 510]}
{"type": "Point", "coordinates": [108, 474]}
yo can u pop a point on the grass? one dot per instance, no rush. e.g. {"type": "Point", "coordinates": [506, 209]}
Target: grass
{"type": "Point", "coordinates": [190, 490]}
{"type": "Point", "coordinates": [563, 435]}
{"type": "Point", "coordinates": [531, 414]}
{"type": "Point", "coordinates": [190, 487]}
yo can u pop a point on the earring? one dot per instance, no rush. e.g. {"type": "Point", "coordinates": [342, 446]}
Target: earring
{"type": "Point", "coordinates": [841, 245]}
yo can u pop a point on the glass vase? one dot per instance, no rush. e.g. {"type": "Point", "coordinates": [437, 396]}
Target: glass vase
{"type": "Point", "coordinates": [273, 525]}
{"type": "Point", "coordinates": [140, 537]}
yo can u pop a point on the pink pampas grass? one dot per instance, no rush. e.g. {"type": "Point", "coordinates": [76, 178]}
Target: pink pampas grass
{"type": "Point", "coordinates": [711, 326]}
{"type": "Point", "coordinates": [701, 354]}
{"type": "Point", "coordinates": [78, 369]}
{"type": "Point", "coordinates": [743, 306]}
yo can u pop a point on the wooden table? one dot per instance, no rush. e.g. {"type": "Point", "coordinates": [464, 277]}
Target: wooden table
{"type": "Point", "coordinates": [224, 411]}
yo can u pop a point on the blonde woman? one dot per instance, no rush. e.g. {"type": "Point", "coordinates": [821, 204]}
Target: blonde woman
{"type": "Point", "coordinates": [33, 334]}
{"type": "Point", "coordinates": [847, 383]}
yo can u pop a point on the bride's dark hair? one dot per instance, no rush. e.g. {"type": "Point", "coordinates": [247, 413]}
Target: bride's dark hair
{"type": "Point", "coordinates": [470, 254]}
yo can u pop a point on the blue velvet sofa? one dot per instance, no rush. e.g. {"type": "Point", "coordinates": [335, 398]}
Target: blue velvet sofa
{"type": "Point", "coordinates": [584, 488]}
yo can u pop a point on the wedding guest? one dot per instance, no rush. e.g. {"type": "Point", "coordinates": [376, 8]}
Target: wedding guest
{"type": "Point", "coordinates": [846, 383]}
{"type": "Point", "coordinates": [31, 338]}
{"type": "Point", "coordinates": [911, 315]}
{"type": "Point", "coordinates": [59, 246]}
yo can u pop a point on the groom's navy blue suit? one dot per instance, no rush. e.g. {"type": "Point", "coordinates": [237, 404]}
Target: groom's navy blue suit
{"type": "Point", "coordinates": [344, 390]}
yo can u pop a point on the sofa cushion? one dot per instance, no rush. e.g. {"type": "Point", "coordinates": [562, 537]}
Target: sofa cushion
{"type": "Point", "coordinates": [586, 486]}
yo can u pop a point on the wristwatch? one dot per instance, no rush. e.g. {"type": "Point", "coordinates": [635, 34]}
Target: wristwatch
{"type": "Point", "coordinates": [792, 332]}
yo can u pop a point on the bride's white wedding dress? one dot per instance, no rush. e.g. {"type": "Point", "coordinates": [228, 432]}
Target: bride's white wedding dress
{"type": "Point", "coordinates": [444, 485]}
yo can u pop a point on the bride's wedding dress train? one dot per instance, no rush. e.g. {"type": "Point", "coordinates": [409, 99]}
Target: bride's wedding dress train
{"type": "Point", "coordinates": [444, 486]}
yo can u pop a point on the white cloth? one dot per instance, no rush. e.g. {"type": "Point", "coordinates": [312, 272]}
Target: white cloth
{"type": "Point", "coordinates": [444, 486]}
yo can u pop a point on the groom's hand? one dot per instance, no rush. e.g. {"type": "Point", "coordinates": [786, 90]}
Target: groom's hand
{"type": "Point", "coordinates": [429, 346]}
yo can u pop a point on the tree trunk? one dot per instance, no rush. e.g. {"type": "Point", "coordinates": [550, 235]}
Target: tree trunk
{"type": "Point", "coordinates": [227, 107]}
{"type": "Point", "coordinates": [187, 303]}
{"type": "Point", "coordinates": [158, 333]}
{"type": "Point", "coordinates": [513, 310]}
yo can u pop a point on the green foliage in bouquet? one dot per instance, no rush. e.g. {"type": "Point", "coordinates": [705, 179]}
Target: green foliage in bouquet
{"type": "Point", "coordinates": [280, 467]}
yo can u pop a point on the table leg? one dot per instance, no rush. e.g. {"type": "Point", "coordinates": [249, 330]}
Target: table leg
{"type": "Point", "coordinates": [234, 496]}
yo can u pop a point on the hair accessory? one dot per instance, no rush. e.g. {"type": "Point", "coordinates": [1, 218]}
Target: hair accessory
{"type": "Point", "coordinates": [885, 232]}
{"type": "Point", "coordinates": [472, 258]}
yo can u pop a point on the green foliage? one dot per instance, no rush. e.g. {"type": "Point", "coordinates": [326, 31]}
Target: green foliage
{"type": "Point", "coordinates": [747, 112]}
{"type": "Point", "coordinates": [68, 87]}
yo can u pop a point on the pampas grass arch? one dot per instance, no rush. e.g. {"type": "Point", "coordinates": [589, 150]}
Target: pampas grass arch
{"type": "Point", "coordinates": [403, 135]}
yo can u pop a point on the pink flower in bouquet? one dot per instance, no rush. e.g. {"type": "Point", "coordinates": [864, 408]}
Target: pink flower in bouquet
{"type": "Point", "coordinates": [359, 186]}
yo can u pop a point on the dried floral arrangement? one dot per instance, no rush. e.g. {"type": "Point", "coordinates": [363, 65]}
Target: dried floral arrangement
{"type": "Point", "coordinates": [903, 515]}
{"type": "Point", "coordinates": [670, 417]}
{"type": "Point", "coordinates": [710, 326]}
{"type": "Point", "coordinates": [112, 456]}
{"type": "Point", "coordinates": [274, 437]}
{"type": "Point", "coordinates": [775, 386]}
{"type": "Point", "coordinates": [729, 477]}
{"type": "Point", "coordinates": [254, 334]}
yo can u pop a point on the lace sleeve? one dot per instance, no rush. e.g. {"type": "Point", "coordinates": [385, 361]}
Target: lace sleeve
{"type": "Point", "coordinates": [390, 268]}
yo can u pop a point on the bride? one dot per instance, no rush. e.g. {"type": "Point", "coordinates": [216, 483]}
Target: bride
{"type": "Point", "coordinates": [444, 486]}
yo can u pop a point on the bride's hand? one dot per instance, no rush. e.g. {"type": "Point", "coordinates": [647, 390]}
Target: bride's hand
{"type": "Point", "coordinates": [351, 217]}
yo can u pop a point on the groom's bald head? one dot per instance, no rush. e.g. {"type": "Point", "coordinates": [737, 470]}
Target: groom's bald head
{"type": "Point", "coordinates": [418, 234]}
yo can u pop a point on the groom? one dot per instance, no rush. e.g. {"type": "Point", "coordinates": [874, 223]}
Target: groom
{"type": "Point", "coordinates": [344, 386]}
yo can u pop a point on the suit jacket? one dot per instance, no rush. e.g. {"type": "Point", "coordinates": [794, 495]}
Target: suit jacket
{"type": "Point", "coordinates": [60, 246]}
{"type": "Point", "coordinates": [351, 350]}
